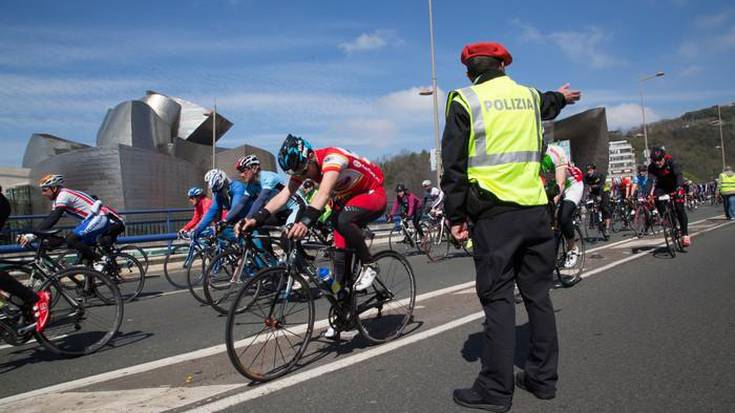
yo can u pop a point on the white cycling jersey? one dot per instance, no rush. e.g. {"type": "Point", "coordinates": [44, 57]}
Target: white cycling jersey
{"type": "Point", "coordinates": [80, 205]}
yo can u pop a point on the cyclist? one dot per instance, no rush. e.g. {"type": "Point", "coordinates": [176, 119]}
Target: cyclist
{"type": "Point", "coordinates": [97, 221]}
{"type": "Point", "coordinates": [201, 204]}
{"type": "Point", "coordinates": [599, 189]}
{"type": "Point", "coordinates": [408, 205]}
{"type": "Point", "coordinates": [433, 199]}
{"type": "Point", "coordinates": [640, 186]}
{"type": "Point", "coordinates": [669, 180]}
{"type": "Point", "coordinates": [626, 186]}
{"type": "Point", "coordinates": [352, 184]}
{"type": "Point", "coordinates": [569, 181]}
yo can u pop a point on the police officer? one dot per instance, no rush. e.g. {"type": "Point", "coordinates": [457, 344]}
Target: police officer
{"type": "Point", "coordinates": [491, 151]}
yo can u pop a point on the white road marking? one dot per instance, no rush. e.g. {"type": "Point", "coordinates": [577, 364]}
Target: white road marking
{"type": "Point", "coordinates": [288, 381]}
{"type": "Point", "coordinates": [156, 364]}
{"type": "Point", "coordinates": [300, 377]}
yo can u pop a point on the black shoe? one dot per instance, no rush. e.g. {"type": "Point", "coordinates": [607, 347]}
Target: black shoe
{"type": "Point", "coordinates": [521, 382]}
{"type": "Point", "coordinates": [470, 398]}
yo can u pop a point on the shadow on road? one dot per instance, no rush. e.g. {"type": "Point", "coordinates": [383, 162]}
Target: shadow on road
{"type": "Point", "coordinates": [32, 353]}
{"type": "Point", "coordinates": [472, 349]}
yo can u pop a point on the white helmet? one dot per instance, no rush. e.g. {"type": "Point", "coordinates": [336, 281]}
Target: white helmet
{"type": "Point", "coordinates": [426, 183]}
{"type": "Point", "coordinates": [247, 162]}
{"type": "Point", "coordinates": [216, 179]}
{"type": "Point", "coordinates": [50, 181]}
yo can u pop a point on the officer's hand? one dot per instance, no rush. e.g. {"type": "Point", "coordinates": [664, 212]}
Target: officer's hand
{"type": "Point", "coordinates": [460, 232]}
{"type": "Point", "coordinates": [570, 96]}
{"type": "Point", "coordinates": [298, 231]}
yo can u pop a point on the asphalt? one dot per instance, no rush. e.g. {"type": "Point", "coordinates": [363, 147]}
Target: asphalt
{"type": "Point", "coordinates": [651, 334]}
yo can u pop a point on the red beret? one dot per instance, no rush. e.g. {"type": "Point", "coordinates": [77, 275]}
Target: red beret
{"type": "Point", "coordinates": [491, 49]}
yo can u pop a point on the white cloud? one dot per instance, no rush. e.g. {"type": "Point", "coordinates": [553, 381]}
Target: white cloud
{"type": "Point", "coordinates": [628, 115]}
{"type": "Point", "coordinates": [370, 41]}
{"type": "Point", "coordinates": [712, 21]}
{"type": "Point", "coordinates": [583, 47]}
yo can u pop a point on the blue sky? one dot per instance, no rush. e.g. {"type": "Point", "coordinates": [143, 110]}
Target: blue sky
{"type": "Point", "coordinates": [345, 72]}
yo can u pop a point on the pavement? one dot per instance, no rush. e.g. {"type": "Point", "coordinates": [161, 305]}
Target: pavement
{"type": "Point", "coordinates": [641, 332]}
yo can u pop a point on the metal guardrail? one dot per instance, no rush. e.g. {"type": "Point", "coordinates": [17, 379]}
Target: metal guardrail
{"type": "Point", "coordinates": [137, 231]}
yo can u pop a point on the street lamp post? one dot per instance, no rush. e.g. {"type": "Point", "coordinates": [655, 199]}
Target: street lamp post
{"type": "Point", "coordinates": [722, 139]}
{"type": "Point", "coordinates": [437, 150]}
{"type": "Point", "coordinates": [643, 110]}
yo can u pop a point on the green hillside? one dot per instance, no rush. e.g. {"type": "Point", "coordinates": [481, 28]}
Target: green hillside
{"type": "Point", "coordinates": [692, 139]}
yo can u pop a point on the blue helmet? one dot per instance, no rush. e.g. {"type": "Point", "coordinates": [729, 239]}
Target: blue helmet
{"type": "Point", "coordinates": [194, 191]}
{"type": "Point", "coordinates": [294, 155]}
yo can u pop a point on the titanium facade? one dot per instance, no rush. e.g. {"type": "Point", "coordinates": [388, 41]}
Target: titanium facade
{"type": "Point", "coordinates": [148, 153]}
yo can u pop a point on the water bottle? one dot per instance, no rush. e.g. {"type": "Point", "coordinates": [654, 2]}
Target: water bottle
{"type": "Point", "coordinates": [325, 275]}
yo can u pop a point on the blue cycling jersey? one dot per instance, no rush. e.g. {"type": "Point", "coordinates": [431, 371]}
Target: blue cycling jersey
{"type": "Point", "coordinates": [234, 197]}
{"type": "Point", "coordinates": [643, 183]}
{"type": "Point", "coordinates": [271, 180]}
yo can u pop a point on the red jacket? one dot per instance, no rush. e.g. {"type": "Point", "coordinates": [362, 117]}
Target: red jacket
{"type": "Point", "coordinates": [199, 210]}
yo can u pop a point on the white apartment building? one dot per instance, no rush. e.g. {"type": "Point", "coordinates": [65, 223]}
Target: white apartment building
{"type": "Point", "coordinates": [622, 159]}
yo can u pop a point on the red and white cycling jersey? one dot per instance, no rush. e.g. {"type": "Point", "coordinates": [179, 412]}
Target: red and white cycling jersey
{"type": "Point", "coordinates": [559, 157]}
{"type": "Point", "coordinates": [357, 175]}
{"type": "Point", "coordinates": [79, 204]}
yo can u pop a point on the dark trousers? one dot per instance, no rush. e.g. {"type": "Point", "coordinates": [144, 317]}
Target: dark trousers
{"type": "Point", "coordinates": [517, 245]}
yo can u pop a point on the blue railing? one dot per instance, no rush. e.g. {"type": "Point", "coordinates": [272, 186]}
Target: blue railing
{"type": "Point", "coordinates": [148, 225]}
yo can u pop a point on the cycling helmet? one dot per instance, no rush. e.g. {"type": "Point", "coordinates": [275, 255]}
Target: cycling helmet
{"type": "Point", "coordinates": [657, 154]}
{"type": "Point", "coordinates": [590, 166]}
{"type": "Point", "coordinates": [194, 191]}
{"type": "Point", "coordinates": [642, 168]}
{"type": "Point", "coordinates": [247, 162]}
{"type": "Point", "coordinates": [308, 184]}
{"type": "Point", "coordinates": [426, 183]}
{"type": "Point", "coordinates": [400, 188]}
{"type": "Point", "coordinates": [293, 157]}
{"type": "Point", "coordinates": [51, 181]}
{"type": "Point", "coordinates": [216, 179]}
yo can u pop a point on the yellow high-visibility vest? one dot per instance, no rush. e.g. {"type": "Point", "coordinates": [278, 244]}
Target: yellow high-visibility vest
{"type": "Point", "coordinates": [727, 184]}
{"type": "Point", "coordinates": [506, 139]}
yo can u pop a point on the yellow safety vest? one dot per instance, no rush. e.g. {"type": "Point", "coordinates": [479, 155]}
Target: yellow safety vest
{"type": "Point", "coordinates": [727, 184]}
{"type": "Point", "coordinates": [506, 139]}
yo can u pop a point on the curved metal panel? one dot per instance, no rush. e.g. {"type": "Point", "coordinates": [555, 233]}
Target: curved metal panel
{"type": "Point", "coordinates": [42, 146]}
{"type": "Point", "coordinates": [166, 108]}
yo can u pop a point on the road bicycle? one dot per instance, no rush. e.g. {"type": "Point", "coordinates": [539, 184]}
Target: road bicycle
{"type": "Point", "coordinates": [569, 264]}
{"type": "Point", "coordinates": [85, 310]}
{"type": "Point", "coordinates": [269, 324]}
{"type": "Point", "coordinates": [123, 269]}
{"type": "Point", "coordinates": [594, 214]}
{"type": "Point", "coordinates": [622, 216]}
{"type": "Point", "coordinates": [234, 265]}
{"type": "Point", "coordinates": [404, 238]}
{"type": "Point", "coordinates": [645, 217]}
{"type": "Point", "coordinates": [441, 239]}
{"type": "Point", "coordinates": [670, 225]}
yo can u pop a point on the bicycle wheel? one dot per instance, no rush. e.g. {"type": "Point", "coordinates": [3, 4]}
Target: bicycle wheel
{"type": "Point", "coordinates": [399, 242]}
{"type": "Point", "coordinates": [666, 229]}
{"type": "Point", "coordinates": [80, 322]}
{"type": "Point", "coordinates": [195, 276]}
{"type": "Point", "coordinates": [173, 269]}
{"type": "Point", "coordinates": [439, 240]}
{"type": "Point", "coordinates": [384, 309]}
{"type": "Point", "coordinates": [616, 220]}
{"type": "Point", "coordinates": [138, 253]}
{"type": "Point", "coordinates": [221, 281]}
{"type": "Point", "coordinates": [569, 266]}
{"type": "Point", "coordinates": [268, 329]}
{"type": "Point", "coordinates": [127, 272]}
{"type": "Point", "coordinates": [640, 220]}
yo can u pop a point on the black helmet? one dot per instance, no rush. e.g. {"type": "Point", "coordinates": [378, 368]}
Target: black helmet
{"type": "Point", "coordinates": [642, 168]}
{"type": "Point", "coordinates": [294, 155]}
{"type": "Point", "coordinates": [590, 166]}
{"type": "Point", "coordinates": [400, 188]}
{"type": "Point", "coordinates": [657, 154]}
